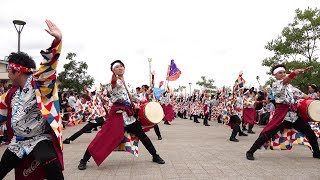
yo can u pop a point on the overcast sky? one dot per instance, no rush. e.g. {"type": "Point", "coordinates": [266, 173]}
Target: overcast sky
{"type": "Point", "coordinates": [216, 39]}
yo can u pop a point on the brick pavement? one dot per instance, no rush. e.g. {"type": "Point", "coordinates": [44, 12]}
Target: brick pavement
{"type": "Point", "coordinates": [191, 151]}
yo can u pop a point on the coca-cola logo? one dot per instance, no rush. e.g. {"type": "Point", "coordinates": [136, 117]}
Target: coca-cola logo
{"type": "Point", "coordinates": [29, 170]}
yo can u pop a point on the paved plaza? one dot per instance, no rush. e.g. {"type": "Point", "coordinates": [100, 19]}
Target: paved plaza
{"type": "Point", "coordinates": [191, 151]}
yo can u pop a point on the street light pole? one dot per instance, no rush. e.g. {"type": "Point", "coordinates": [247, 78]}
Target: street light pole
{"type": "Point", "coordinates": [149, 60]}
{"type": "Point", "coordinates": [190, 87]}
{"type": "Point", "coordinates": [18, 24]}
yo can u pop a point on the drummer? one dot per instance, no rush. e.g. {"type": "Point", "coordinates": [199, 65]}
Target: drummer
{"type": "Point", "coordinates": [286, 112]}
{"type": "Point", "coordinates": [146, 97]}
{"type": "Point", "coordinates": [121, 117]}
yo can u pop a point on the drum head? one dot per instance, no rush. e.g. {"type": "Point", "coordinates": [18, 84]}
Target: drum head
{"type": "Point", "coordinates": [314, 110]}
{"type": "Point", "coordinates": [154, 112]}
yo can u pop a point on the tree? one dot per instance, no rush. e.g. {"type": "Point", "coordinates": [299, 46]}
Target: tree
{"type": "Point", "coordinates": [207, 84]}
{"type": "Point", "coordinates": [297, 47]}
{"type": "Point", "coordinates": [74, 77]}
{"type": "Point", "coordinates": [179, 89]}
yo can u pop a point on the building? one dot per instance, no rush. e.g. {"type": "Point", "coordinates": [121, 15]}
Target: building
{"type": "Point", "coordinates": [4, 70]}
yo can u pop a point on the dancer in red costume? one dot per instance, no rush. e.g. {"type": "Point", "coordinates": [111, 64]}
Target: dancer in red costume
{"type": "Point", "coordinates": [121, 117]}
{"type": "Point", "coordinates": [165, 102]}
{"type": "Point", "coordinates": [286, 112]}
{"type": "Point", "coordinates": [31, 111]}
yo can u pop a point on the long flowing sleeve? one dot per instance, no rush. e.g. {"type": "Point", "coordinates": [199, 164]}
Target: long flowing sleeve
{"type": "Point", "coordinates": [46, 90]}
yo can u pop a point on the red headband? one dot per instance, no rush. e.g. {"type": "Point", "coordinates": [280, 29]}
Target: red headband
{"type": "Point", "coordinates": [20, 68]}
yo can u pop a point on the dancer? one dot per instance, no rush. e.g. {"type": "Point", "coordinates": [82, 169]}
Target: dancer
{"type": "Point", "coordinates": [95, 118]}
{"type": "Point", "coordinates": [286, 115]}
{"type": "Point", "coordinates": [167, 108]}
{"type": "Point", "coordinates": [120, 118]}
{"type": "Point", "coordinates": [31, 111]}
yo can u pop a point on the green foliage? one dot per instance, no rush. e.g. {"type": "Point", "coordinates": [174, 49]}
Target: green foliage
{"type": "Point", "coordinates": [207, 84]}
{"type": "Point", "coordinates": [74, 77]}
{"type": "Point", "coordinates": [179, 89]}
{"type": "Point", "coordinates": [297, 47]}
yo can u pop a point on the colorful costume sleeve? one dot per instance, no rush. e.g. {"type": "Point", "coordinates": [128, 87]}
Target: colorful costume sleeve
{"type": "Point", "coordinates": [46, 90]}
{"type": "Point", "coordinates": [3, 108]}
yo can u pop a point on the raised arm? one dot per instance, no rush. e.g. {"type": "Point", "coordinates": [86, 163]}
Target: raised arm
{"type": "Point", "coordinates": [45, 77]}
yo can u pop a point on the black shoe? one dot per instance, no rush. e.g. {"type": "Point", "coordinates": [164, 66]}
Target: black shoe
{"type": "Point", "coordinates": [167, 123]}
{"type": "Point", "coordinates": [234, 139]}
{"type": "Point", "coordinates": [242, 134]}
{"type": "Point", "coordinates": [249, 156]}
{"type": "Point", "coordinates": [66, 141]}
{"type": "Point", "coordinates": [196, 121]}
{"type": "Point", "coordinates": [251, 132]}
{"type": "Point", "coordinates": [160, 138]}
{"type": "Point", "coordinates": [316, 155]}
{"type": "Point", "coordinates": [207, 124]}
{"type": "Point", "coordinates": [158, 159]}
{"type": "Point", "coordinates": [95, 129]}
{"type": "Point", "coordinates": [82, 165]}
{"type": "Point", "coordinates": [244, 129]}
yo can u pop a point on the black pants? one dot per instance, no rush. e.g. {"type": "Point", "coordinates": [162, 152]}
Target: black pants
{"type": "Point", "coordinates": [299, 125]}
{"type": "Point", "coordinates": [42, 152]}
{"type": "Point", "coordinates": [264, 118]}
{"type": "Point", "coordinates": [250, 127]}
{"type": "Point", "coordinates": [195, 118]}
{"type": "Point", "coordinates": [219, 119]}
{"type": "Point", "coordinates": [236, 128]}
{"type": "Point", "coordinates": [136, 129]}
{"type": "Point", "coordinates": [87, 127]}
{"type": "Point", "coordinates": [205, 120]}
{"type": "Point", "coordinates": [157, 130]}
{"type": "Point", "coordinates": [185, 114]}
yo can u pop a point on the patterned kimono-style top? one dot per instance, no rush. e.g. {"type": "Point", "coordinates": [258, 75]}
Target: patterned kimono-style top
{"type": "Point", "coordinates": [35, 107]}
{"type": "Point", "coordinates": [120, 95]}
{"type": "Point", "coordinates": [286, 94]}
{"type": "Point", "coordinates": [165, 99]}
{"type": "Point", "coordinates": [248, 102]}
{"type": "Point", "coordinates": [237, 106]}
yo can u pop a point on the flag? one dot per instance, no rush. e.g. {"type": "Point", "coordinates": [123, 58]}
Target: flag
{"type": "Point", "coordinates": [239, 83]}
{"type": "Point", "coordinates": [173, 72]}
{"type": "Point", "coordinates": [157, 92]}
{"type": "Point", "coordinates": [160, 84]}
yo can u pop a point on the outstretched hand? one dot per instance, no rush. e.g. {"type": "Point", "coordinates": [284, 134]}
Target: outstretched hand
{"type": "Point", "coordinates": [53, 30]}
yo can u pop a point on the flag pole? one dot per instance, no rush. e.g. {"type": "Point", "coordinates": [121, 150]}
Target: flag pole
{"type": "Point", "coordinates": [149, 60]}
{"type": "Point", "coordinates": [167, 81]}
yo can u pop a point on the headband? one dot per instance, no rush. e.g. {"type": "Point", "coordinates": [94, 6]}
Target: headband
{"type": "Point", "coordinates": [275, 71]}
{"type": "Point", "coordinates": [20, 68]}
{"type": "Point", "coordinates": [115, 64]}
